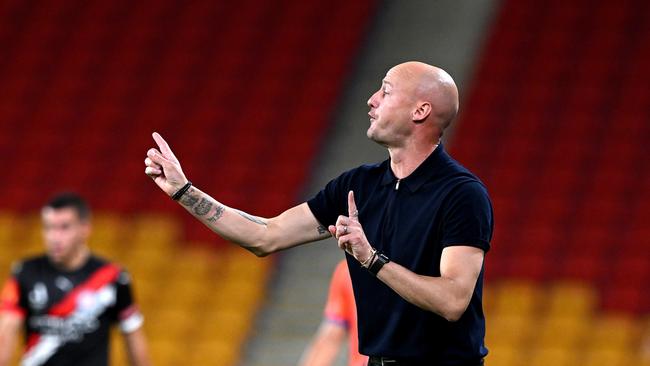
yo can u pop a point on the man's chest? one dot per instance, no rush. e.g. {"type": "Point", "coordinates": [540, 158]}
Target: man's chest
{"type": "Point", "coordinates": [404, 225]}
{"type": "Point", "coordinates": [66, 306]}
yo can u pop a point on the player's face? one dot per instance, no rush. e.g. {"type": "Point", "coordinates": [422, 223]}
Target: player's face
{"type": "Point", "coordinates": [64, 233]}
{"type": "Point", "coordinates": [391, 110]}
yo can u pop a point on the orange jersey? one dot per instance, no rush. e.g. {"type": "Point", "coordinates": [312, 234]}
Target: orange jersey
{"type": "Point", "coordinates": [341, 309]}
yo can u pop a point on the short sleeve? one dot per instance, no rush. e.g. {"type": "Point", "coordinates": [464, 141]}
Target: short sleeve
{"type": "Point", "coordinates": [468, 217]}
{"type": "Point", "coordinates": [10, 298]}
{"type": "Point", "coordinates": [336, 308]}
{"type": "Point", "coordinates": [11, 295]}
{"type": "Point", "coordinates": [127, 312]}
{"type": "Point", "coordinates": [330, 202]}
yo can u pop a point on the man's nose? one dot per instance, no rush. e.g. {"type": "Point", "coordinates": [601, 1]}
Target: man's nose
{"type": "Point", "coordinates": [371, 101]}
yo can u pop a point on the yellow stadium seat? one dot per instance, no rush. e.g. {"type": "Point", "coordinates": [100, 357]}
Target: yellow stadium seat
{"type": "Point", "coordinates": [7, 225]}
{"type": "Point", "coordinates": [504, 355]}
{"type": "Point", "coordinates": [489, 293]}
{"type": "Point", "coordinates": [166, 324]}
{"type": "Point", "coordinates": [613, 331]}
{"type": "Point", "coordinates": [213, 352]}
{"type": "Point", "coordinates": [561, 331]}
{"type": "Point", "coordinates": [118, 354]}
{"type": "Point", "coordinates": [555, 356]}
{"type": "Point", "coordinates": [245, 266]}
{"type": "Point", "coordinates": [608, 357]}
{"type": "Point", "coordinates": [167, 352]}
{"type": "Point", "coordinates": [517, 298]}
{"type": "Point", "coordinates": [163, 230]}
{"type": "Point", "coordinates": [509, 330]}
{"type": "Point", "coordinates": [238, 294]}
{"type": "Point", "coordinates": [107, 230]}
{"type": "Point", "coordinates": [571, 299]}
{"type": "Point", "coordinates": [225, 323]}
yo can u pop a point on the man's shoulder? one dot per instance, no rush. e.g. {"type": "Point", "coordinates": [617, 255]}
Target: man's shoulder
{"type": "Point", "coordinates": [366, 170]}
{"type": "Point", "coordinates": [96, 262]}
{"type": "Point", "coordinates": [29, 264]}
{"type": "Point", "coordinates": [459, 174]}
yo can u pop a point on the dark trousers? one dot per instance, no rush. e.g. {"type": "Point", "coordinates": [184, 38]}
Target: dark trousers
{"type": "Point", "coordinates": [386, 361]}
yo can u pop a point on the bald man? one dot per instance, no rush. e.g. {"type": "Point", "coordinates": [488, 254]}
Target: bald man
{"type": "Point", "coordinates": [414, 228]}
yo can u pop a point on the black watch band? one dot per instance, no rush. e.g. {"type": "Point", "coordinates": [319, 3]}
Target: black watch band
{"type": "Point", "coordinates": [378, 264]}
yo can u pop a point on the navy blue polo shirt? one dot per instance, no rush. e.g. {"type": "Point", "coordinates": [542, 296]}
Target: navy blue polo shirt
{"type": "Point", "coordinates": [412, 220]}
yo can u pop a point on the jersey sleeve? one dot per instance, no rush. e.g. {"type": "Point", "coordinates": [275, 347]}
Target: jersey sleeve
{"type": "Point", "coordinates": [127, 312]}
{"type": "Point", "coordinates": [331, 201]}
{"type": "Point", "coordinates": [336, 309]}
{"type": "Point", "coordinates": [468, 217]}
{"type": "Point", "coordinates": [10, 298]}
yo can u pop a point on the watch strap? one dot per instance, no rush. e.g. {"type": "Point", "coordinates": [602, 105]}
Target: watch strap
{"type": "Point", "coordinates": [378, 264]}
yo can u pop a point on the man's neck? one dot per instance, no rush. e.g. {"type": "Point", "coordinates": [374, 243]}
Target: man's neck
{"type": "Point", "coordinates": [404, 161]}
{"type": "Point", "coordinates": [77, 261]}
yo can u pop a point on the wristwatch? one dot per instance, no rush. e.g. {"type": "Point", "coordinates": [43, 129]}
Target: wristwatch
{"type": "Point", "coordinates": [378, 264]}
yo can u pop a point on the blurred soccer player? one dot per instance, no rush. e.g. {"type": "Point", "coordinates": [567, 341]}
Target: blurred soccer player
{"type": "Point", "coordinates": [415, 227]}
{"type": "Point", "coordinates": [67, 299]}
{"type": "Point", "coordinates": [339, 322]}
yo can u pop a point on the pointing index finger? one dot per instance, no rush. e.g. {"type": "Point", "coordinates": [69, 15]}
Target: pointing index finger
{"type": "Point", "coordinates": [353, 213]}
{"type": "Point", "coordinates": [162, 144]}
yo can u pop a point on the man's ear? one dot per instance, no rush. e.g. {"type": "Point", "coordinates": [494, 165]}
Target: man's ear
{"type": "Point", "coordinates": [422, 112]}
{"type": "Point", "coordinates": [86, 228]}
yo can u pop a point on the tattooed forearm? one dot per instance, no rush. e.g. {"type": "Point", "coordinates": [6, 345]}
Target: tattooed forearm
{"type": "Point", "coordinates": [190, 198]}
{"type": "Point", "coordinates": [217, 213]}
{"type": "Point", "coordinates": [255, 219]}
{"type": "Point", "coordinates": [203, 207]}
{"type": "Point", "coordinates": [322, 230]}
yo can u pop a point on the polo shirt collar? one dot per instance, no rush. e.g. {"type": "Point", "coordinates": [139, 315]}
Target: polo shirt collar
{"type": "Point", "coordinates": [429, 168]}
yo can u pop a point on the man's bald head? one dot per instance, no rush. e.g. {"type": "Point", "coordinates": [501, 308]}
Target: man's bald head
{"type": "Point", "coordinates": [431, 85]}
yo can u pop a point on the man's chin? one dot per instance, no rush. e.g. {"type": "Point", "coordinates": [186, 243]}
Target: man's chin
{"type": "Point", "coordinates": [56, 259]}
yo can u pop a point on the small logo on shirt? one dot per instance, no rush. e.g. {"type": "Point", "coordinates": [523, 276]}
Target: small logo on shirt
{"type": "Point", "coordinates": [38, 296]}
{"type": "Point", "coordinates": [63, 284]}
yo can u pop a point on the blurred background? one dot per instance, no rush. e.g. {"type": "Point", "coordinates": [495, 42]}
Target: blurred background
{"type": "Point", "coordinates": [264, 102]}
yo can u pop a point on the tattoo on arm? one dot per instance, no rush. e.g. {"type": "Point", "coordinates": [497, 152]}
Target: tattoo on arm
{"type": "Point", "coordinates": [203, 207]}
{"type": "Point", "coordinates": [189, 199]}
{"type": "Point", "coordinates": [322, 230]}
{"type": "Point", "coordinates": [255, 219]}
{"type": "Point", "coordinates": [217, 214]}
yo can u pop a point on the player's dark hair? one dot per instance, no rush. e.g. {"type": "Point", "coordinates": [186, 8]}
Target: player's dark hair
{"type": "Point", "coordinates": [70, 200]}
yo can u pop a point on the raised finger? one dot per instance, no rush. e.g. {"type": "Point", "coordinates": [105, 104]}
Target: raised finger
{"type": "Point", "coordinates": [353, 213]}
{"type": "Point", "coordinates": [163, 146]}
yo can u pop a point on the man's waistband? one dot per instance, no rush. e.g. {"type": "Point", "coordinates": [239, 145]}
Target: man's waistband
{"type": "Point", "coordinates": [387, 361]}
{"type": "Point", "coordinates": [383, 361]}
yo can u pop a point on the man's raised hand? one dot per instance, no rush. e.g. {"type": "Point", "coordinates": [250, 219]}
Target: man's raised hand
{"type": "Point", "coordinates": [163, 167]}
{"type": "Point", "coordinates": [350, 234]}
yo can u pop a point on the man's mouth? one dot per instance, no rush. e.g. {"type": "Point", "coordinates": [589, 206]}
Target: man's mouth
{"type": "Point", "coordinates": [372, 117]}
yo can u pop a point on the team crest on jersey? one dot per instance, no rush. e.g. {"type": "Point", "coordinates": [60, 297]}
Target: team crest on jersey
{"type": "Point", "coordinates": [38, 296]}
{"type": "Point", "coordinates": [63, 284]}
